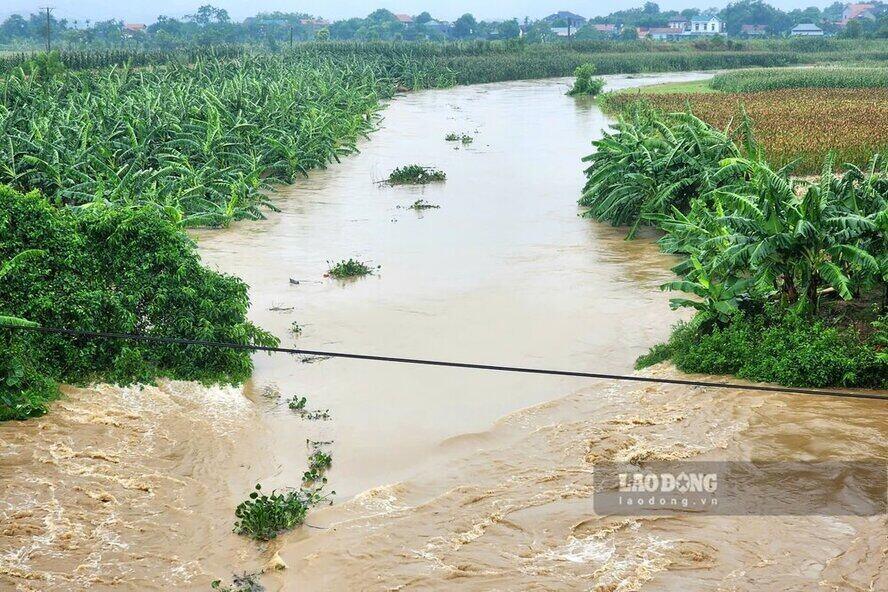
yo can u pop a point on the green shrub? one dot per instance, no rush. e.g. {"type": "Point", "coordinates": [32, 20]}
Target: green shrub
{"type": "Point", "coordinates": [586, 83]}
{"type": "Point", "coordinates": [24, 391]}
{"type": "Point", "coordinates": [263, 517]}
{"type": "Point", "coordinates": [108, 269]}
{"type": "Point", "coordinates": [415, 174]}
{"type": "Point", "coordinates": [348, 269]}
{"type": "Point", "coordinates": [783, 348]}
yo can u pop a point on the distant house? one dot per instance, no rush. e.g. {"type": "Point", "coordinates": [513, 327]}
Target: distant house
{"type": "Point", "coordinates": [806, 30]}
{"type": "Point", "coordinates": [574, 20]}
{"type": "Point", "coordinates": [608, 28]}
{"type": "Point", "coordinates": [404, 19]}
{"type": "Point", "coordinates": [130, 30]}
{"type": "Point", "coordinates": [440, 26]}
{"type": "Point", "coordinates": [314, 23]}
{"type": "Point", "coordinates": [679, 22]}
{"type": "Point", "coordinates": [664, 33]}
{"type": "Point", "coordinates": [754, 30]}
{"type": "Point", "coordinates": [705, 26]}
{"type": "Point", "coordinates": [563, 31]}
{"type": "Point", "coordinates": [855, 11]}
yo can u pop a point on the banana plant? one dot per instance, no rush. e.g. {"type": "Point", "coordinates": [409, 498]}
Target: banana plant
{"type": "Point", "coordinates": [719, 299]}
{"type": "Point", "coordinates": [797, 246]}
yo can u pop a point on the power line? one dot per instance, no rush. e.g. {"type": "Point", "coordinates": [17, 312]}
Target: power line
{"type": "Point", "coordinates": [447, 364]}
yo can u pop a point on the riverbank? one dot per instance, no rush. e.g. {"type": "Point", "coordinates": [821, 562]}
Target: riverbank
{"type": "Point", "coordinates": [427, 493]}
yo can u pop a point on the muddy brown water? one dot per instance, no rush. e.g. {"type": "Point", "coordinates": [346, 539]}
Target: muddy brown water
{"type": "Point", "coordinates": [445, 478]}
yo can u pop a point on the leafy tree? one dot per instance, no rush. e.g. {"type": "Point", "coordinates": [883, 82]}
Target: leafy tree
{"type": "Point", "coordinates": [110, 269]}
{"type": "Point", "coordinates": [14, 27]}
{"type": "Point", "coordinates": [629, 34]}
{"type": "Point", "coordinates": [423, 18]}
{"type": "Point", "coordinates": [464, 26]}
{"type": "Point", "coordinates": [510, 29]}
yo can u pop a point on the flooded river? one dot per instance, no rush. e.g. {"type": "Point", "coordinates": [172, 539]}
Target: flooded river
{"type": "Point", "coordinates": [444, 478]}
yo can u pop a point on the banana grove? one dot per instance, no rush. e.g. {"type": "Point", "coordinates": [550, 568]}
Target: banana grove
{"type": "Point", "coordinates": [788, 278]}
{"type": "Point", "coordinates": [200, 142]}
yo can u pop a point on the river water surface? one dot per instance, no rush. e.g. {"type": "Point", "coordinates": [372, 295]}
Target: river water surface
{"type": "Point", "coordinates": [444, 478]}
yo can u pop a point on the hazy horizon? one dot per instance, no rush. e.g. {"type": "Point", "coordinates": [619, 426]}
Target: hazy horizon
{"type": "Point", "coordinates": [147, 12]}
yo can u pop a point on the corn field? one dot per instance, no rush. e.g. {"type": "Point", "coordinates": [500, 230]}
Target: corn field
{"type": "Point", "coordinates": [834, 77]}
{"type": "Point", "coordinates": [790, 124]}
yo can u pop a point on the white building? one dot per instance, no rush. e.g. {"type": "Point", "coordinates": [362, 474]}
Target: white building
{"type": "Point", "coordinates": [705, 26]}
{"type": "Point", "coordinates": [806, 30]}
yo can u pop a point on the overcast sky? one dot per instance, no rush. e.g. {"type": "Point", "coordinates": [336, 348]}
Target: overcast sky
{"type": "Point", "coordinates": [146, 11]}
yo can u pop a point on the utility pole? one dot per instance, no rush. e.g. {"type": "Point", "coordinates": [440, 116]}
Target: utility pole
{"type": "Point", "coordinates": [291, 36]}
{"type": "Point", "coordinates": [48, 10]}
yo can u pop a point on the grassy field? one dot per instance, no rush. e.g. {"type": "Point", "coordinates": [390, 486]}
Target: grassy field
{"type": "Point", "coordinates": [843, 109]}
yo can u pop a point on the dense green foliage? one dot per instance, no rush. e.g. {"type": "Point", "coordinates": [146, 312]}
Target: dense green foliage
{"type": "Point", "coordinates": [787, 278]}
{"type": "Point", "coordinates": [348, 269]}
{"type": "Point", "coordinates": [264, 517]}
{"type": "Point", "coordinates": [415, 174]}
{"type": "Point", "coordinates": [648, 165]}
{"type": "Point", "coordinates": [200, 142]}
{"type": "Point", "coordinates": [118, 270]}
{"type": "Point", "coordinates": [586, 83]}
{"type": "Point", "coordinates": [764, 80]}
{"type": "Point", "coordinates": [779, 347]}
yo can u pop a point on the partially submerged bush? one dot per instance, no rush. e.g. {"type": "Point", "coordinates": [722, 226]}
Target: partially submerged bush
{"type": "Point", "coordinates": [318, 464]}
{"type": "Point", "coordinates": [246, 582]}
{"type": "Point", "coordinates": [421, 204]}
{"type": "Point", "coordinates": [348, 269]}
{"type": "Point", "coordinates": [784, 348]}
{"type": "Point", "coordinates": [415, 174]}
{"type": "Point", "coordinates": [586, 83]}
{"type": "Point", "coordinates": [263, 517]}
{"type": "Point", "coordinates": [464, 138]}
{"type": "Point", "coordinates": [116, 270]}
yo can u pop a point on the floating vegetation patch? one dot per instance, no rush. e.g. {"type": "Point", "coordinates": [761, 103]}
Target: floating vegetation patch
{"type": "Point", "coordinates": [348, 269]}
{"type": "Point", "coordinates": [464, 138]}
{"type": "Point", "coordinates": [298, 404]}
{"type": "Point", "coordinates": [263, 517]}
{"type": "Point", "coordinates": [421, 204]}
{"type": "Point", "coordinates": [296, 329]}
{"type": "Point", "coordinates": [319, 462]}
{"type": "Point", "coordinates": [246, 582]}
{"type": "Point", "coordinates": [415, 174]}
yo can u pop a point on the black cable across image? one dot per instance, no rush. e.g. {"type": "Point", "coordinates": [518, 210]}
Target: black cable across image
{"type": "Point", "coordinates": [446, 364]}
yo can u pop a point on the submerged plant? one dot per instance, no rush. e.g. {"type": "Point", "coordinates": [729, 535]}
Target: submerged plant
{"type": "Point", "coordinates": [421, 204]}
{"type": "Point", "coordinates": [586, 83]}
{"type": "Point", "coordinates": [246, 582]}
{"type": "Point", "coordinates": [297, 403]}
{"type": "Point", "coordinates": [464, 138]}
{"type": "Point", "coordinates": [415, 174]}
{"type": "Point", "coordinates": [296, 328]}
{"type": "Point", "coordinates": [263, 517]}
{"type": "Point", "coordinates": [318, 464]}
{"type": "Point", "coordinates": [348, 269]}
